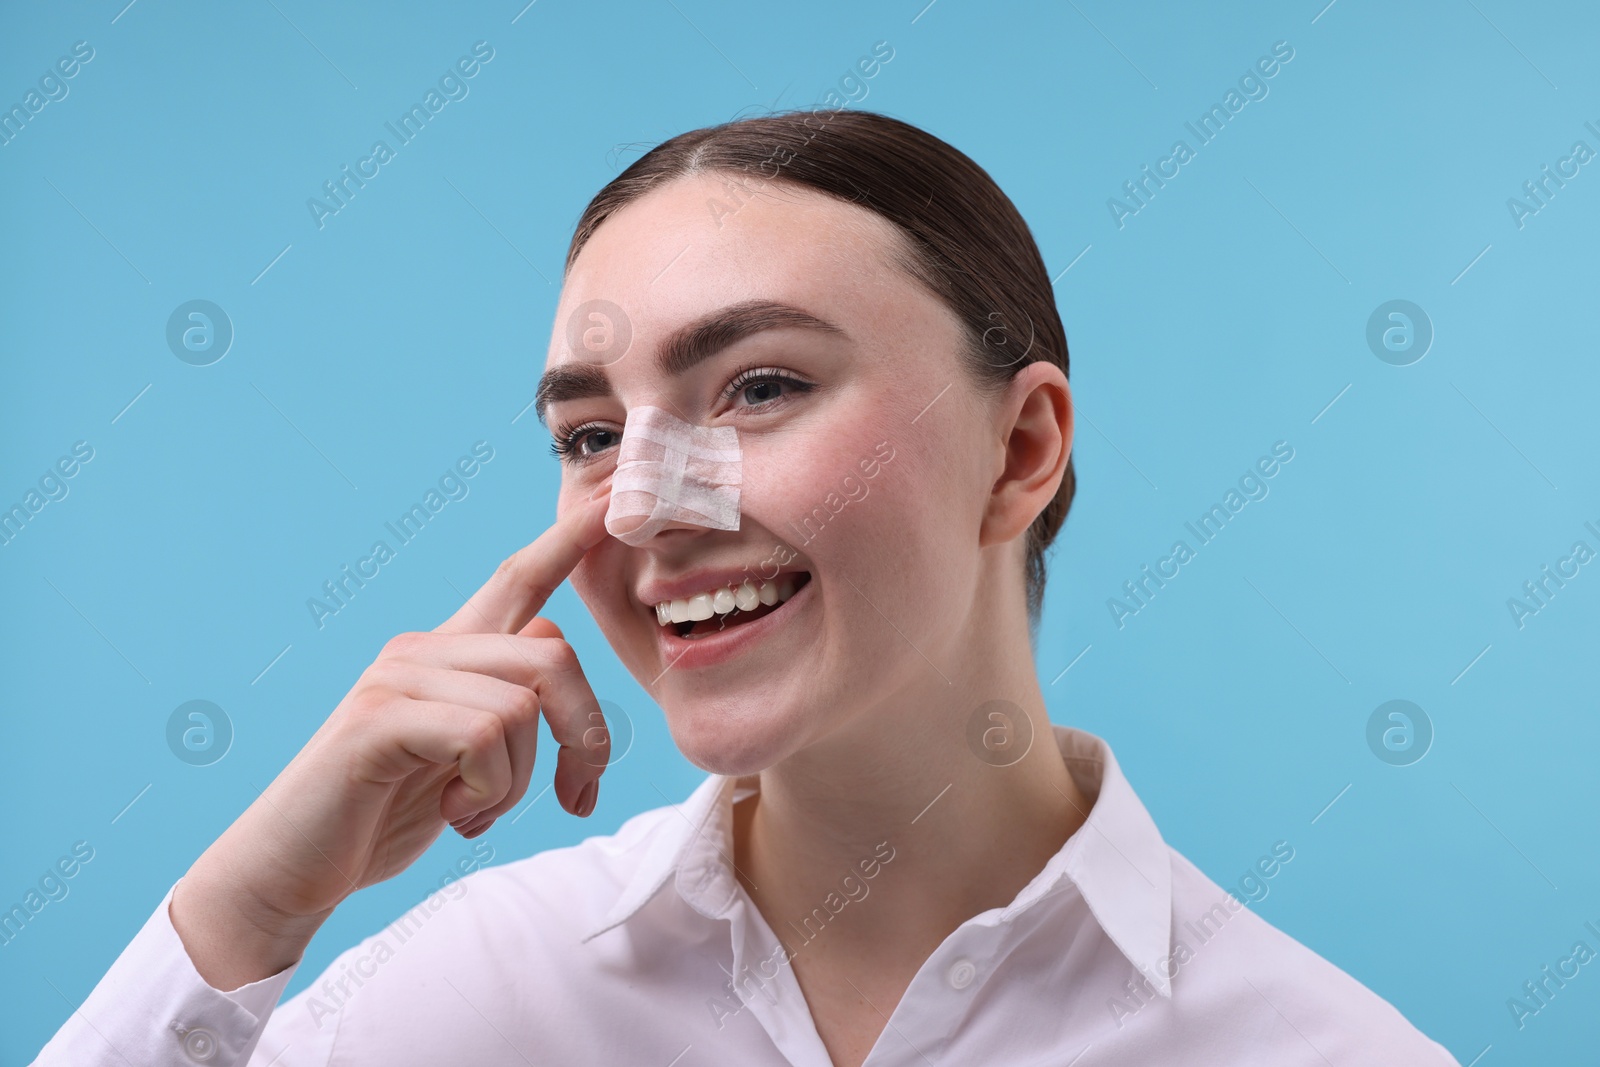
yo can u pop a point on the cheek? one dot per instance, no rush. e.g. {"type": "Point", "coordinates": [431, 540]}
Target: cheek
{"type": "Point", "coordinates": [598, 581]}
{"type": "Point", "coordinates": [815, 468]}
{"type": "Point", "coordinates": [580, 482]}
{"type": "Point", "coordinates": [587, 582]}
{"type": "Point", "coordinates": [913, 532]}
{"type": "Point", "coordinates": [785, 479]}
{"type": "Point", "coordinates": [600, 571]}
{"type": "Point", "coordinates": [856, 493]}
{"type": "Point", "coordinates": [566, 497]}
{"type": "Point", "coordinates": [908, 518]}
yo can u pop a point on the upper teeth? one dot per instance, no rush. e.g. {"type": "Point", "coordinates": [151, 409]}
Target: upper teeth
{"type": "Point", "coordinates": [745, 597]}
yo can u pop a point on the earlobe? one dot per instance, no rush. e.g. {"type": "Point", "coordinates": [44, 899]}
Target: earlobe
{"type": "Point", "coordinates": [1036, 433]}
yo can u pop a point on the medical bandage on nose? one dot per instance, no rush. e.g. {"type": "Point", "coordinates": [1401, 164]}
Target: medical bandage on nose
{"type": "Point", "coordinates": [671, 471]}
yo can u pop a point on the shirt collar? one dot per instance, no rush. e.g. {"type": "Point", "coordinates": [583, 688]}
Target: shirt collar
{"type": "Point", "coordinates": [1117, 859]}
{"type": "Point", "coordinates": [693, 843]}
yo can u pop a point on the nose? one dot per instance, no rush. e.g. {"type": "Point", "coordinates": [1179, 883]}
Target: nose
{"type": "Point", "coordinates": [670, 537]}
{"type": "Point", "coordinates": [673, 474]}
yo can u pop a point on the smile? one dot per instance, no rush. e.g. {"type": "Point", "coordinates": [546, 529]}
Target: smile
{"type": "Point", "coordinates": [714, 610]}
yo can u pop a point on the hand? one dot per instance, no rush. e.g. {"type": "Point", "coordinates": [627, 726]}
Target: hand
{"type": "Point", "coordinates": [440, 730]}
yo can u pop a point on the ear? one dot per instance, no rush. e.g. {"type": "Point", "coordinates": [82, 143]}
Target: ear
{"type": "Point", "coordinates": [1034, 424]}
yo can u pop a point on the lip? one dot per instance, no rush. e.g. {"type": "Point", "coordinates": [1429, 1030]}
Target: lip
{"type": "Point", "coordinates": [682, 653]}
{"type": "Point", "coordinates": [654, 592]}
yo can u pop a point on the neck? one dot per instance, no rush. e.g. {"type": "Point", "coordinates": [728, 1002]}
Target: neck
{"type": "Point", "coordinates": [875, 843]}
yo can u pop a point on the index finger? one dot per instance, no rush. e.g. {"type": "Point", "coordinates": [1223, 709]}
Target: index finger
{"type": "Point", "coordinates": [518, 589]}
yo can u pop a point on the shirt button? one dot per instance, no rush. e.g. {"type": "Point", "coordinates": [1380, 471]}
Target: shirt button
{"type": "Point", "coordinates": [200, 1044]}
{"type": "Point", "coordinates": [962, 972]}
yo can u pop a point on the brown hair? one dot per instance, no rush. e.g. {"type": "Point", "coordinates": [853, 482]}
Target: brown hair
{"type": "Point", "coordinates": [967, 242]}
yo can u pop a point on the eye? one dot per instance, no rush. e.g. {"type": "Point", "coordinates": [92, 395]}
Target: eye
{"type": "Point", "coordinates": [760, 386]}
{"type": "Point", "coordinates": [580, 444]}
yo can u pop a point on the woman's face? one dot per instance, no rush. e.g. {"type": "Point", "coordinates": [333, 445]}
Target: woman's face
{"type": "Point", "coordinates": [867, 459]}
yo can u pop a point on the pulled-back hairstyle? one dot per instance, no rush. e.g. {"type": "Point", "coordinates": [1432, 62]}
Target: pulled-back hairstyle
{"type": "Point", "coordinates": [965, 239]}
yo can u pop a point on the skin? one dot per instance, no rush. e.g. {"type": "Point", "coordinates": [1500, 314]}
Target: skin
{"type": "Point", "coordinates": [440, 729]}
{"type": "Point", "coordinates": [855, 717]}
{"type": "Point", "coordinates": [854, 712]}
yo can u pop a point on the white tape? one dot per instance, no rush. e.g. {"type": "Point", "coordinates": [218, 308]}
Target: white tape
{"type": "Point", "coordinates": [671, 471]}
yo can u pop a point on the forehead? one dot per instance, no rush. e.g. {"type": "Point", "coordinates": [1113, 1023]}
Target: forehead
{"type": "Point", "coordinates": [708, 241]}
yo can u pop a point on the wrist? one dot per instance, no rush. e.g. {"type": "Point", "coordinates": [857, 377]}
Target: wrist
{"type": "Point", "coordinates": [232, 936]}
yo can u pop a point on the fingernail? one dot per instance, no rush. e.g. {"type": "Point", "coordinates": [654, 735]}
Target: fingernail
{"type": "Point", "coordinates": [604, 490]}
{"type": "Point", "coordinates": [586, 799]}
{"type": "Point", "coordinates": [475, 825]}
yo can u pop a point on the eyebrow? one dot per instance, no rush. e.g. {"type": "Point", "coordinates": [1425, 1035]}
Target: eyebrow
{"type": "Point", "coordinates": [684, 348]}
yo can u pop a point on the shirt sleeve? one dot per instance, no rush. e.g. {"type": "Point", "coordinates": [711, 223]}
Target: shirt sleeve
{"type": "Point", "coordinates": [152, 1007]}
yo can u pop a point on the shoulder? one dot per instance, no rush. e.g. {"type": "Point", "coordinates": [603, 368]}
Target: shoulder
{"type": "Point", "coordinates": [1236, 977]}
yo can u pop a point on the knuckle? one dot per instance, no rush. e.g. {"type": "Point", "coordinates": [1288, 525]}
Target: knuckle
{"type": "Point", "coordinates": [483, 733]}
{"type": "Point", "coordinates": [383, 674]}
{"type": "Point", "coordinates": [371, 700]}
{"type": "Point", "coordinates": [525, 705]}
{"type": "Point", "coordinates": [405, 644]}
{"type": "Point", "coordinates": [559, 654]}
{"type": "Point", "coordinates": [522, 706]}
{"type": "Point", "coordinates": [519, 570]}
{"type": "Point", "coordinates": [509, 567]}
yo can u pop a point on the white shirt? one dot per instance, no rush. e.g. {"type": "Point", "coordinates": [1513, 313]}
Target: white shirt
{"type": "Point", "coordinates": [643, 948]}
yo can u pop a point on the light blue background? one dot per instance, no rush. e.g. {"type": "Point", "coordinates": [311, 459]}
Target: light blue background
{"type": "Point", "coordinates": [1223, 317]}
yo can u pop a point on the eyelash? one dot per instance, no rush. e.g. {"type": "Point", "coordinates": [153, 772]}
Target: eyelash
{"type": "Point", "coordinates": [565, 445]}
{"type": "Point", "coordinates": [748, 376]}
{"type": "Point", "coordinates": [567, 439]}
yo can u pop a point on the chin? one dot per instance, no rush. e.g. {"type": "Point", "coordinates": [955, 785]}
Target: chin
{"type": "Point", "coordinates": [735, 736]}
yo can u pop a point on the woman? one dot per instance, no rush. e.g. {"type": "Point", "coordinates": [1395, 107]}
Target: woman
{"type": "Point", "coordinates": [897, 858]}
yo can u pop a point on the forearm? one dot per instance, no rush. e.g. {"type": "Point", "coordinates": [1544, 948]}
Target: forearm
{"type": "Point", "coordinates": [232, 937]}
